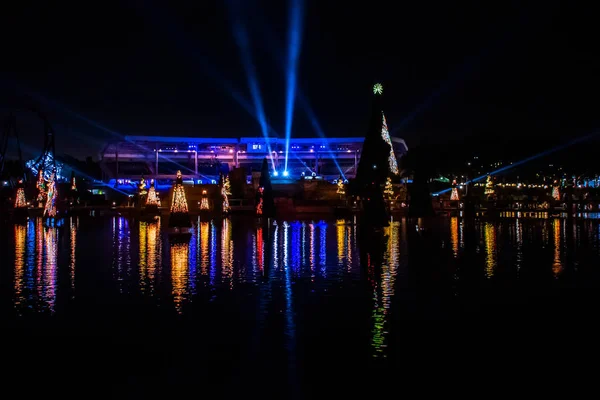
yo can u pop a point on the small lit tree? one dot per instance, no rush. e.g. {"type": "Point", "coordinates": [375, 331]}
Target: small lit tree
{"type": "Point", "coordinates": [454, 196]}
{"type": "Point", "coordinates": [179, 203]}
{"type": "Point", "coordinates": [227, 185]}
{"type": "Point", "coordinates": [556, 193]}
{"type": "Point", "coordinates": [41, 188]}
{"type": "Point", "coordinates": [341, 187]}
{"type": "Point", "coordinates": [265, 204]}
{"type": "Point", "coordinates": [204, 206]}
{"type": "Point", "coordinates": [489, 186]}
{"type": "Point", "coordinates": [51, 196]}
{"type": "Point", "coordinates": [260, 201]}
{"type": "Point", "coordinates": [388, 191]}
{"type": "Point", "coordinates": [73, 182]}
{"type": "Point", "coordinates": [20, 199]}
{"type": "Point", "coordinates": [179, 208]}
{"type": "Point", "coordinates": [225, 192]}
{"type": "Point", "coordinates": [152, 199]}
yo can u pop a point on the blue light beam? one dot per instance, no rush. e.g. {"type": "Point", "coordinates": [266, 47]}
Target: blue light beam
{"type": "Point", "coordinates": [542, 154]}
{"type": "Point", "coordinates": [294, 44]}
{"type": "Point", "coordinates": [240, 35]}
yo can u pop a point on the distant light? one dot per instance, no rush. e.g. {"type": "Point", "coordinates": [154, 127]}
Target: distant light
{"type": "Point", "coordinates": [281, 151]}
{"type": "Point", "coordinates": [230, 150]}
{"type": "Point", "coordinates": [159, 149]}
{"type": "Point", "coordinates": [213, 181]}
{"type": "Point", "coordinates": [378, 88]}
{"type": "Point", "coordinates": [275, 173]}
{"type": "Point", "coordinates": [311, 150]}
{"type": "Point", "coordinates": [348, 151]}
{"type": "Point", "coordinates": [175, 150]}
{"type": "Point", "coordinates": [285, 173]}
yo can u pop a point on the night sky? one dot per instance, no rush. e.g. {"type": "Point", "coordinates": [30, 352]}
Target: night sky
{"type": "Point", "coordinates": [511, 76]}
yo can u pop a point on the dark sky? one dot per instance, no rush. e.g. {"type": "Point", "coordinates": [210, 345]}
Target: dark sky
{"type": "Point", "coordinates": [462, 73]}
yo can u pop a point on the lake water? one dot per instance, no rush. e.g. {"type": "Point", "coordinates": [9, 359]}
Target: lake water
{"type": "Point", "coordinates": [289, 305]}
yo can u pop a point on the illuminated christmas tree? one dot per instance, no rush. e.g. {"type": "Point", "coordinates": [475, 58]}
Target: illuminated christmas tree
{"type": "Point", "coordinates": [179, 207]}
{"type": "Point", "coordinates": [556, 193]}
{"type": "Point", "coordinates": [152, 199]}
{"type": "Point", "coordinates": [489, 186]}
{"type": "Point", "coordinates": [341, 188]}
{"type": "Point", "coordinates": [377, 163]}
{"type": "Point", "coordinates": [265, 205]}
{"type": "Point", "coordinates": [51, 196]}
{"type": "Point", "coordinates": [227, 185]}
{"type": "Point", "coordinates": [204, 206]}
{"type": "Point", "coordinates": [260, 201]}
{"type": "Point", "coordinates": [225, 192]}
{"type": "Point", "coordinates": [388, 191]}
{"type": "Point", "coordinates": [74, 197]}
{"type": "Point", "coordinates": [41, 188]}
{"type": "Point", "coordinates": [392, 162]}
{"type": "Point", "coordinates": [73, 182]}
{"type": "Point", "coordinates": [142, 191]}
{"type": "Point", "coordinates": [20, 200]}
{"type": "Point", "coordinates": [454, 196]}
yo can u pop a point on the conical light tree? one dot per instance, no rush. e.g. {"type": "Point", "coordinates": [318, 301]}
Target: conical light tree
{"type": "Point", "coordinates": [341, 187]}
{"type": "Point", "coordinates": [265, 205]}
{"type": "Point", "coordinates": [40, 185]}
{"type": "Point", "coordinates": [377, 163]}
{"type": "Point", "coordinates": [489, 186]}
{"type": "Point", "coordinates": [454, 196]}
{"type": "Point", "coordinates": [204, 206]}
{"type": "Point", "coordinates": [225, 192]}
{"type": "Point", "coordinates": [556, 193]}
{"type": "Point", "coordinates": [20, 199]}
{"type": "Point", "coordinates": [179, 207]}
{"type": "Point", "coordinates": [388, 191]}
{"type": "Point", "coordinates": [51, 196]}
{"type": "Point", "coordinates": [73, 182]}
{"type": "Point", "coordinates": [152, 199]}
{"type": "Point", "coordinates": [227, 185]}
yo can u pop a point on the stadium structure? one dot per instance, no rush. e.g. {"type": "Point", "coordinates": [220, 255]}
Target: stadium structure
{"type": "Point", "coordinates": [202, 159]}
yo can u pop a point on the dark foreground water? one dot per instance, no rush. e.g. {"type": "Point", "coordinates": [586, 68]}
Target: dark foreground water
{"type": "Point", "coordinates": [294, 309]}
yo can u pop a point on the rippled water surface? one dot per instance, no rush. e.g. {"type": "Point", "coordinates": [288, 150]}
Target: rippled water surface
{"type": "Point", "coordinates": [290, 301]}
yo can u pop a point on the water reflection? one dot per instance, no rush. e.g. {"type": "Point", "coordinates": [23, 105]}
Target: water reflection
{"type": "Point", "coordinates": [454, 235]}
{"type": "Point", "coordinates": [73, 225]}
{"type": "Point", "coordinates": [121, 259]}
{"type": "Point", "coordinates": [49, 269]}
{"type": "Point", "coordinates": [204, 255]}
{"type": "Point", "coordinates": [20, 263]}
{"type": "Point", "coordinates": [557, 263]}
{"type": "Point", "coordinates": [150, 254]}
{"type": "Point", "coordinates": [227, 253]}
{"type": "Point", "coordinates": [490, 249]}
{"type": "Point", "coordinates": [179, 273]}
{"type": "Point", "coordinates": [287, 270]}
{"type": "Point", "coordinates": [384, 287]}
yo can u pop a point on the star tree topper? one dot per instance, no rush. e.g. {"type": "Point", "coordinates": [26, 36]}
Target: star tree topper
{"type": "Point", "coordinates": [378, 88]}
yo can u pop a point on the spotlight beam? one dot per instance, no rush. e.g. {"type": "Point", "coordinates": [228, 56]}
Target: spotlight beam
{"type": "Point", "coordinates": [240, 35]}
{"type": "Point", "coordinates": [536, 156]}
{"type": "Point", "coordinates": [294, 45]}
{"type": "Point", "coordinates": [269, 36]}
{"type": "Point", "coordinates": [54, 104]}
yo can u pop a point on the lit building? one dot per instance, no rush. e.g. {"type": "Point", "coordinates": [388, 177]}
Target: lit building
{"type": "Point", "coordinates": [204, 158]}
